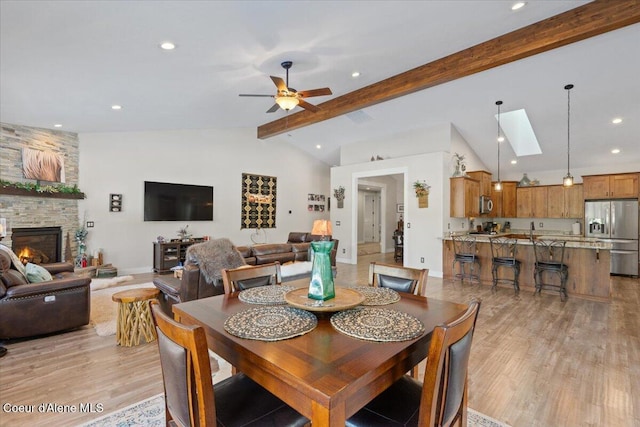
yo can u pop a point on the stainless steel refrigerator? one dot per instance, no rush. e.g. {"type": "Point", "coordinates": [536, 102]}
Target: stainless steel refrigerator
{"type": "Point", "coordinates": [615, 221]}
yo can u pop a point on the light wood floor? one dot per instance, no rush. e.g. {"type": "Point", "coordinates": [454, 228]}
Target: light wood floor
{"type": "Point", "coordinates": [535, 361]}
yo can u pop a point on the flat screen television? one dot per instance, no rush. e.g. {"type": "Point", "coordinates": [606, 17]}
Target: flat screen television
{"type": "Point", "coordinates": [177, 202]}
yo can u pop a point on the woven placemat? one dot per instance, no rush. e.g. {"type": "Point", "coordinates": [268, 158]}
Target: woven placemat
{"type": "Point", "coordinates": [268, 295]}
{"type": "Point", "coordinates": [377, 324]}
{"type": "Point", "coordinates": [271, 323]}
{"type": "Point", "coordinates": [375, 295]}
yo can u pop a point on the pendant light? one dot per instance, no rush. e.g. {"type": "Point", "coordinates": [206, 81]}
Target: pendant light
{"type": "Point", "coordinates": [567, 181]}
{"type": "Point", "coordinates": [498, 186]}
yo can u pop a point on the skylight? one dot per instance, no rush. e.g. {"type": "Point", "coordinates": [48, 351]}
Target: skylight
{"type": "Point", "coordinates": [518, 130]}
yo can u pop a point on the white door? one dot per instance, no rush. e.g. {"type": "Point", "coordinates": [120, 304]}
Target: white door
{"type": "Point", "coordinates": [371, 218]}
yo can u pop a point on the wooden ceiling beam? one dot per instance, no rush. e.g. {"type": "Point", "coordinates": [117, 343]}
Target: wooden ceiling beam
{"type": "Point", "coordinates": [591, 19]}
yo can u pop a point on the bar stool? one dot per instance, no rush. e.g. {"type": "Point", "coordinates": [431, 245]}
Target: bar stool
{"type": "Point", "coordinates": [503, 253]}
{"type": "Point", "coordinates": [464, 248]}
{"type": "Point", "coordinates": [550, 258]}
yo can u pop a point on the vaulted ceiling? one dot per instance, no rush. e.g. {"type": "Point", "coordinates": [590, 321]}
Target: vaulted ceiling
{"type": "Point", "coordinates": [68, 62]}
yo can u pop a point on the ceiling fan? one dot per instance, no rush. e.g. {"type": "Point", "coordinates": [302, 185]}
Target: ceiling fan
{"type": "Point", "coordinates": [287, 98]}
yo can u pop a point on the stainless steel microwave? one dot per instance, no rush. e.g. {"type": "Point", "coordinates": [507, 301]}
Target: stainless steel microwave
{"type": "Point", "coordinates": [486, 205]}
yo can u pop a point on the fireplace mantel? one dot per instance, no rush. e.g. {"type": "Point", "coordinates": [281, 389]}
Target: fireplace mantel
{"type": "Point", "coordinates": [12, 191]}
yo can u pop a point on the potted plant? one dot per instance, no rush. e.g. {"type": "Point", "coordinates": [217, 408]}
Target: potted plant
{"type": "Point", "coordinates": [184, 233]}
{"type": "Point", "coordinates": [338, 193]}
{"type": "Point", "coordinates": [422, 193]}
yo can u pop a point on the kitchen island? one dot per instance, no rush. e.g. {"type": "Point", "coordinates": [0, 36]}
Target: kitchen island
{"type": "Point", "coordinates": [588, 261]}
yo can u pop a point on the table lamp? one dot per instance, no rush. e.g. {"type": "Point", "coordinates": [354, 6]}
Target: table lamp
{"type": "Point", "coordinates": [321, 285]}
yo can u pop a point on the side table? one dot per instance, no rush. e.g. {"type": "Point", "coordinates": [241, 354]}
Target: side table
{"type": "Point", "coordinates": [134, 316]}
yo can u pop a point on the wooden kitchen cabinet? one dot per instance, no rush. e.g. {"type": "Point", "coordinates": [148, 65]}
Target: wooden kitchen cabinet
{"type": "Point", "coordinates": [504, 202]}
{"type": "Point", "coordinates": [484, 179]}
{"type": "Point", "coordinates": [465, 197]}
{"type": "Point", "coordinates": [574, 201]}
{"type": "Point", "coordinates": [617, 186]}
{"type": "Point", "coordinates": [531, 202]}
{"type": "Point", "coordinates": [565, 202]}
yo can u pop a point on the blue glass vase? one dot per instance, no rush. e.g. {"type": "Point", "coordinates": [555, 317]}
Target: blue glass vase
{"type": "Point", "coordinates": [321, 286]}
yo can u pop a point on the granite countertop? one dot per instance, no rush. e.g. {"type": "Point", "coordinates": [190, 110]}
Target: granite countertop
{"type": "Point", "coordinates": [573, 241]}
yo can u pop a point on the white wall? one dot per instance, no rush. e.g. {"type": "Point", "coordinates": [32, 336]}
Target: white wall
{"type": "Point", "coordinates": [412, 142]}
{"type": "Point", "coordinates": [121, 162]}
{"type": "Point", "coordinates": [423, 227]}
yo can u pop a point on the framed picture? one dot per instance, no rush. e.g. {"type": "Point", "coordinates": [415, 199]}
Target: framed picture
{"type": "Point", "coordinates": [43, 165]}
{"type": "Point", "coordinates": [115, 202]}
{"type": "Point", "coordinates": [400, 208]}
{"type": "Point", "coordinates": [259, 193]}
{"type": "Point", "coordinates": [315, 202]}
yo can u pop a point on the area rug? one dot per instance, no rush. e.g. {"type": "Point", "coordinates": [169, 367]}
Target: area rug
{"type": "Point", "coordinates": [150, 412]}
{"type": "Point", "coordinates": [106, 283]}
{"type": "Point", "coordinates": [104, 311]}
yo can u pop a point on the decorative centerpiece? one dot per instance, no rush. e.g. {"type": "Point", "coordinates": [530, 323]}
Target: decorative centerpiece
{"type": "Point", "coordinates": [525, 181]}
{"type": "Point", "coordinates": [461, 168]}
{"type": "Point", "coordinates": [338, 193]}
{"type": "Point", "coordinates": [422, 193]}
{"type": "Point", "coordinates": [321, 286]}
{"type": "Point", "coordinates": [184, 234]}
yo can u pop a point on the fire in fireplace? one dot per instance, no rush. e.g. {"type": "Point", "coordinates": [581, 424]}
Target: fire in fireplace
{"type": "Point", "coordinates": [38, 245]}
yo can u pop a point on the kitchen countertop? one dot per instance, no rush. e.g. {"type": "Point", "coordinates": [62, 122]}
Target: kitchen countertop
{"type": "Point", "coordinates": [573, 241]}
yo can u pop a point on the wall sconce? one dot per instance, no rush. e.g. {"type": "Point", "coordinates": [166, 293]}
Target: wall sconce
{"type": "Point", "coordinates": [3, 227]}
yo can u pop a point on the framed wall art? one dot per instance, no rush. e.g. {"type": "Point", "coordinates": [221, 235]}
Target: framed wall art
{"type": "Point", "coordinates": [43, 165]}
{"type": "Point", "coordinates": [258, 201]}
{"type": "Point", "coordinates": [115, 202]}
{"type": "Point", "coordinates": [315, 202]}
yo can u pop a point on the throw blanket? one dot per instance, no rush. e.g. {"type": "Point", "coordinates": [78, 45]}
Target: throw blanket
{"type": "Point", "coordinates": [212, 256]}
{"type": "Point", "coordinates": [15, 261]}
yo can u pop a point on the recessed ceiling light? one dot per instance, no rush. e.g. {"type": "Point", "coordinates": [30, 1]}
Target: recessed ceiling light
{"type": "Point", "coordinates": [616, 121]}
{"type": "Point", "coordinates": [318, 146]}
{"type": "Point", "coordinates": [518, 5]}
{"type": "Point", "coordinates": [167, 46]}
{"type": "Point", "coordinates": [615, 151]}
{"type": "Point", "coordinates": [116, 107]}
{"type": "Point", "coordinates": [514, 162]}
{"type": "Point", "coordinates": [501, 138]}
{"type": "Point", "coordinates": [355, 74]}
{"type": "Point", "coordinates": [57, 125]}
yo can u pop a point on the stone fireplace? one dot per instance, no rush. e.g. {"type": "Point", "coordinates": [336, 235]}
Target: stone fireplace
{"type": "Point", "coordinates": [38, 245]}
{"type": "Point", "coordinates": [39, 210]}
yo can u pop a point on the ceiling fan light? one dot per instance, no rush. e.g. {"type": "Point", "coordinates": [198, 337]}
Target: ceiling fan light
{"type": "Point", "coordinates": [287, 102]}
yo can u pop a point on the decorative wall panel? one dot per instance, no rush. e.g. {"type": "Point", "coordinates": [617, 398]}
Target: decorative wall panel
{"type": "Point", "coordinates": [258, 201]}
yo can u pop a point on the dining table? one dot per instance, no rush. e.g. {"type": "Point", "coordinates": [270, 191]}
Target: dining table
{"type": "Point", "coordinates": [324, 374]}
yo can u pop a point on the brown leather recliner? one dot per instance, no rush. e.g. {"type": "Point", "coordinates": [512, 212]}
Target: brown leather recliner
{"type": "Point", "coordinates": [29, 309]}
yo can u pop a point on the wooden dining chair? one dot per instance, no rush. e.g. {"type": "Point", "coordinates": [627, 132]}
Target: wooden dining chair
{"type": "Point", "coordinates": [401, 279]}
{"type": "Point", "coordinates": [239, 279]}
{"type": "Point", "coordinates": [441, 400]}
{"type": "Point", "coordinates": [190, 397]}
